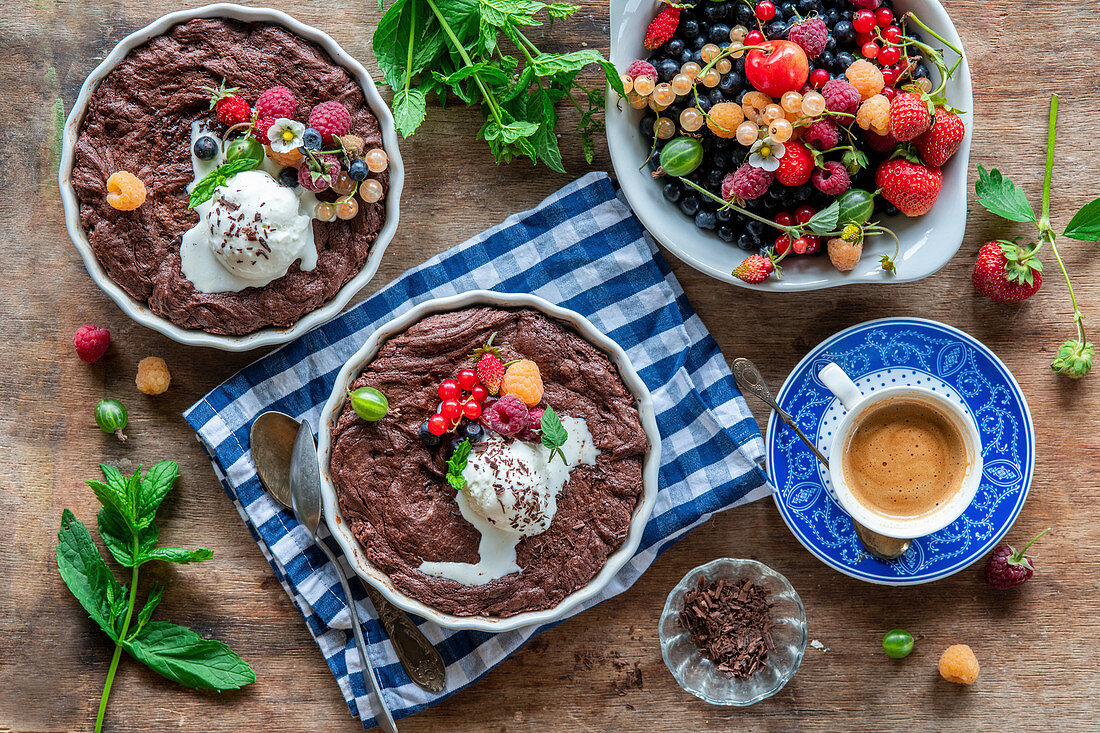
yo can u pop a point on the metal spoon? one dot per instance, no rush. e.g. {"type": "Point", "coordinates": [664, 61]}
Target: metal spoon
{"type": "Point", "coordinates": [272, 439]}
{"type": "Point", "coordinates": [305, 496]}
{"type": "Point", "coordinates": [751, 380]}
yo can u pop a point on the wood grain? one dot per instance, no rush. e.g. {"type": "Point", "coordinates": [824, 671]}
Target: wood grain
{"type": "Point", "coordinates": [1037, 645]}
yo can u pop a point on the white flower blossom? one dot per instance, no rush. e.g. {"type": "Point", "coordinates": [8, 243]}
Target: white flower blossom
{"type": "Point", "coordinates": [285, 135]}
{"type": "Point", "coordinates": [766, 154]}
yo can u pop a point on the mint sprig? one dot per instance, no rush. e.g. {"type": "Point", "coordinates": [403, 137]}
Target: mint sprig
{"type": "Point", "coordinates": [456, 464]}
{"type": "Point", "coordinates": [127, 525]}
{"type": "Point", "coordinates": [205, 188]}
{"type": "Point", "coordinates": [1000, 196]}
{"type": "Point", "coordinates": [554, 434]}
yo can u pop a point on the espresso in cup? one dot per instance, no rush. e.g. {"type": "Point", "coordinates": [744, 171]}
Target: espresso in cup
{"type": "Point", "coordinates": [904, 458]}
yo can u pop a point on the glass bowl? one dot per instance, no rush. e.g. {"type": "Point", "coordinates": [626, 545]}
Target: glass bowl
{"type": "Point", "coordinates": [698, 675]}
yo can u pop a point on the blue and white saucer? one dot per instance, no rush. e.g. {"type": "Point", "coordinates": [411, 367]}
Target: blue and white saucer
{"type": "Point", "coordinates": [890, 352]}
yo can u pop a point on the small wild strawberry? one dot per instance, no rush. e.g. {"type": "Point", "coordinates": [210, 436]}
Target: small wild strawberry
{"type": "Point", "coordinates": [754, 269]}
{"type": "Point", "coordinates": [662, 27]}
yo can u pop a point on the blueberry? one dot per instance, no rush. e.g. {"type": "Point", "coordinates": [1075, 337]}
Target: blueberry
{"type": "Point", "coordinates": [716, 96]}
{"type": "Point", "coordinates": [426, 437]}
{"type": "Point", "coordinates": [788, 10]}
{"type": "Point", "coordinates": [289, 177]}
{"type": "Point", "coordinates": [920, 71]}
{"type": "Point", "coordinates": [698, 42]}
{"type": "Point", "coordinates": [844, 32]}
{"type": "Point", "coordinates": [474, 432]}
{"type": "Point", "coordinates": [843, 61]}
{"type": "Point", "coordinates": [831, 17]}
{"type": "Point", "coordinates": [725, 215]}
{"type": "Point", "coordinates": [687, 55]}
{"type": "Point", "coordinates": [755, 229]}
{"type": "Point", "coordinates": [746, 241]}
{"type": "Point", "coordinates": [716, 12]}
{"type": "Point", "coordinates": [891, 210]}
{"type": "Point", "coordinates": [705, 220]}
{"type": "Point", "coordinates": [357, 171]}
{"type": "Point", "coordinates": [719, 33]}
{"type": "Point", "coordinates": [714, 179]}
{"type": "Point", "coordinates": [646, 127]}
{"type": "Point", "coordinates": [826, 60]}
{"type": "Point", "coordinates": [667, 69]}
{"type": "Point", "coordinates": [703, 103]}
{"type": "Point", "coordinates": [720, 159]}
{"type": "Point", "coordinates": [725, 233]}
{"type": "Point", "coordinates": [731, 84]}
{"type": "Point", "coordinates": [311, 139]}
{"type": "Point", "coordinates": [689, 29]}
{"type": "Point", "coordinates": [744, 15]}
{"type": "Point", "coordinates": [775, 29]}
{"type": "Point", "coordinates": [830, 44]}
{"type": "Point", "coordinates": [675, 47]}
{"type": "Point", "coordinates": [206, 147]}
{"type": "Point", "coordinates": [672, 192]}
{"type": "Point", "coordinates": [453, 445]}
{"type": "Point", "coordinates": [807, 6]}
{"type": "Point", "coordinates": [690, 205]}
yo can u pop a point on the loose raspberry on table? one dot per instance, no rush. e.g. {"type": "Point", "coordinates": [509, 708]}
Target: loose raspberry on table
{"type": "Point", "coordinates": [641, 68]}
{"type": "Point", "coordinates": [324, 179]}
{"type": "Point", "coordinates": [840, 96]}
{"type": "Point", "coordinates": [523, 380]}
{"type": "Point", "coordinates": [330, 118]}
{"type": "Point", "coordinates": [533, 431]}
{"type": "Point", "coordinates": [507, 416]}
{"type": "Point", "coordinates": [958, 664]}
{"type": "Point", "coordinates": [91, 342]}
{"type": "Point", "coordinates": [865, 77]}
{"type": "Point", "coordinates": [834, 180]}
{"type": "Point", "coordinates": [261, 128]}
{"type": "Point", "coordinates": [747, 182]}
{"type": "Point", "coordinates": [874, 115]}
{"type": "Point", "coordinates": [811, 34]}
{"type": "Point", "coordinates": [153, 376]}
{"type": "Point", "coordinates": [822, 134]}
{"type": "Point", "coordinates": [125, 191]}
{"type": "Point", "coordinates": [276, 102]}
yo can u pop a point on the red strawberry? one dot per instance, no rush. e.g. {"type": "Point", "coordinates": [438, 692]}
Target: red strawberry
{"type": "Point", "coordinates": [231, 109]}
{"type": "Point", "coordinates": [1007, 272]}
{"type": "Point", "coordinates": [261, 128]}
{"type": "Point", "coordinates": [1007, 568]}
{"type": "Point", "coordinates": [490, 372]}
{"type": "Point", "coordinates": [754, 269]}
{"type": "Point", "coordinates": [911, 187]}
{"type": "Point", "coordinates": [940, 142]}
{"type": "Point", "coordinates": [796, 165]}
{"type": "Point", "coordinates": [910, 116]}
{"type": "Point", "coordinates": [662, 27]}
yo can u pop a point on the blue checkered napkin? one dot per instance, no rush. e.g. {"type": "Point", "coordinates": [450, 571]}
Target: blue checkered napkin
{"type": "Point", "coordinates": [583, 249]}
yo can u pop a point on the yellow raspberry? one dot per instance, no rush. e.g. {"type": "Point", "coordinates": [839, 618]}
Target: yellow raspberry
{"type": "Point", "coordinates": [874, 115]}
{"type": "Point", "coordinates": [125, 191]}
{"type": "Point", "coordinates": [865, 77]}
{"type": "Point", "coordinates": [289, 159]}
{"type": "Point", "coordinates": [958, 664]}
{"type": "Point", "coordinates": [724, 118]}
{"type": "Point", "coordinates": [753, 104]}
{"type": "Point", "coordinates": [153, 377]}
{"type": "Point", "coordinates": [523, 380]}
{"type": "Point", "coordinates": [843, 254]}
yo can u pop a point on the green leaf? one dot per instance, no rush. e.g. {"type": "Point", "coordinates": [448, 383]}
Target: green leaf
{"type": "Point", "coordinates": [177, 555]}
{"type": "Point", "coordinates": [154, 486]}
{"type": "Point", "coordinates": [405, 21]}
{"type": "Point", "coordinates": [456, 464]}
{"type": "Point", "coordinates": [151, 603]}
{"type": "Point", "coordinates": [510, 132]}
{"type": "Point", "coordinates": [118, 537]}
{"type": "Point", "coordinates": [613, 78]}
{"type": "Point", "coordinates": [557, 11]}
{"type": "Point", "coordinates": [410, 107]}
{"type": "Point", "coordinates": [181, 655]}
{"type": "Point", "coordinates": [541, 108]}
{"type": "Point", "coordinates": [504, 13]}
{"type": "Point", "coordinates": [549, 64]}
{"type": "Point", "coordinates": [1000, 196]}
{"type": "Point", "coordinates": [825, 220]}
{"type": "Point", "coordinates": [205, 188]}
{"type": "Point", "coordinates": [554, 433]}
{"type": "Point", "coordinates": [1085, 224]}
{"type": "Point", "coordinates": [86, 574]}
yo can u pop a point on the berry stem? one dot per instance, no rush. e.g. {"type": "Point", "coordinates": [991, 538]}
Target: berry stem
{"type": "Point", "coordinates": [791, 231]}
{"type": "Point", "coordinates": [490, 100]}
{"type": "Point", "coordinates": [1018, 556]}
{"type": "Point", "coordinates": [118, 644]}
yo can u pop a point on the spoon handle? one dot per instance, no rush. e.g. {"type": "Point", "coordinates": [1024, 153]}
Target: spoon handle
{"type": "Point", "coordinates": [751, 380]}
{"type": "Point", "coordinates": [418, 656]}
{"type": "Point", "coordinates": [385, 718]}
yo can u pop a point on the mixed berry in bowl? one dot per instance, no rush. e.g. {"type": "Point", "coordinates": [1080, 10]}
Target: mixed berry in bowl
{"type": "Point", "coordinates": [792, 129]}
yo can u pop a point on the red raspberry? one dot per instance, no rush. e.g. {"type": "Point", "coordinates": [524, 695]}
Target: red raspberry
{"type": "Point", "coordinates": [232, 110]}
{"type": "Point", "coordinates": [822, 134]}
{"type": "Point", "coordinates": [662, 27]}
{"type": "Point", "coordinates": [324, 178]}
{"type": "Point", "coordinates": [490, 372]}
{"type": "Point", "coordinates": [534, 425]}
{"type": "Point", "coordinates": [832, 181]}
{"type": "Point", "coordinates": [840, 96]}
{"type": "Point", "coordinates": [330, 118]}
{"type": "Point", "coordinates": [91, 342]}
{"type": "Point", "coordinates": [811, 34]}
{"type": "Point", "coordinates": [261, 127]}
{"type": "Point", "coordinates": [1007, 568]}
{"type": "Point", "coordinates": [747, 182]}
{"type": "Point", "coordinates": [641, 68]}
{"type": "Point", "coordinates": [276, 102]}
{"type": "Point", "coordinates": [796, 165]}
{"type": "Point", "coordinates": [507, 416]}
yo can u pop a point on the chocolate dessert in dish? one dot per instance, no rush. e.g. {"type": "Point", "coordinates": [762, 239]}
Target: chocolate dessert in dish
{"type": "Point", "coordinates": [507, 469]}
{"type": "Point", "coordinates": [146, 119]}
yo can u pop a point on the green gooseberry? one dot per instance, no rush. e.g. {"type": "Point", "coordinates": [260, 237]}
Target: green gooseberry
{"type": "Point", "coordinates": [111, 417]}
{"type": "Point", "coordinates": [245, 148]}
{"type": "Point", "coordinates": [369, 403]}
{"type": "Point", "coordinates": [898, 643]}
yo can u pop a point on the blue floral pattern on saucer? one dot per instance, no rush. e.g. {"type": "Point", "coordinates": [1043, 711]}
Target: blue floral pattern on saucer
{"type": "Point", "coordinates": [901, 351]}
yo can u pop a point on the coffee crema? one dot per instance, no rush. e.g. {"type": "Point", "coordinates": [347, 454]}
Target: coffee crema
{"type": "Point", "coordinates": [904, 459]}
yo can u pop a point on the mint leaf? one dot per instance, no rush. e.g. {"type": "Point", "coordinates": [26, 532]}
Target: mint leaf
{"type": "Point", "coordinates": [1085, 224]}
{"type": "Point", "coordinates": [151, 603]}
{"type": "Point", "coordinates": [825, 220]}
{"type": "Point", "coordinates": [86, 574]}
{"type": "Point", "coordinates": [118, 536]}
{"type": "Point", "coordinates": [406, 21]}
{"type": "Point", "coordinates": [205, 188]}
{"type": "Point", "coordinates": [1001, 197]}
{"type": "Point", "coordinates": [456, 464]}
{"type": "Point", "coordinates": [181, 655]}
{"type": "Point", "coordinates": [154, 486]}
{"type": "Point", "coordinates": [554, 433]}
{"type": "Point", "coordinates": [613, 77]}
{"type": "Point", "coordinates": [557, 11]}
{"type": "Point", "coordinates": [549, 64]}
{"type": "Point", "coordinates": [410, 107]}
{"type": "Point", "coordinates": [178, 555]}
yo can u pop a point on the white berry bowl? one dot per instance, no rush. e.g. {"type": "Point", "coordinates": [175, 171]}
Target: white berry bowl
{"type": "Point", "coordinates": [927, 242]}
{"type": "Point", "coordinates": [140, 311]}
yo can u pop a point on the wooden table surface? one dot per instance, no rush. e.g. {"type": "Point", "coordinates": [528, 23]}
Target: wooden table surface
{"type": "Point", "coordinates": [1037, 645]}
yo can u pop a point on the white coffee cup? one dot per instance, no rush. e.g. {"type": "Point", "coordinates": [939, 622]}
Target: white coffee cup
{"type": "Point", "coordinates": [857, 404]}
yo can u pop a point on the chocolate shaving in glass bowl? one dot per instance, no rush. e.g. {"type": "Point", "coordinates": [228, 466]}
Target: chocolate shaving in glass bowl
{"type": "Point", "coordinates": [730, 624]}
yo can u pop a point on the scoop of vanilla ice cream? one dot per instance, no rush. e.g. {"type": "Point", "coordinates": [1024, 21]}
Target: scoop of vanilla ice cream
{"type": "Point", "coordinates": [506, 484]}
{"type": "Point", "coordinates": [254, 227]}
